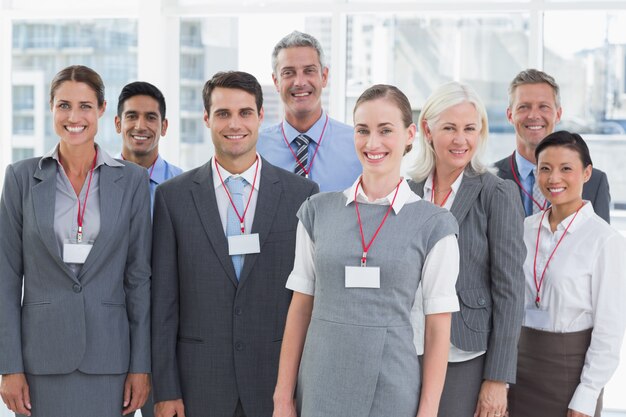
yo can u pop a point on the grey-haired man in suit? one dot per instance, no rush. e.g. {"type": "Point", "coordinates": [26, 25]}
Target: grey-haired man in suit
{"type": "Point", "coordinates": [224, 239]}
{"type": "Point", "coordinates": [534, 110]}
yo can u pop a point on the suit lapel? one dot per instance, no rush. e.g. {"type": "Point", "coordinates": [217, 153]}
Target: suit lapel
{"type": "Point", "coordinates": [44, 198]}
{"type": "Point", "coordinates": [266, 207]}
{"type": "Point", "coordinates": [111, 196]}
{"type": "Point", "coordinates": [206, 204]}
{"type": "Point", "coordinates": [464, 200]}
{"type": "Point", "coordinates": [505, 168]}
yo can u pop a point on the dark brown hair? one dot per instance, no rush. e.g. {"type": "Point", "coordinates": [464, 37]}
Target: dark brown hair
{"type": "Point", "coordinates": [393, 94]}
{"type": "Point", "coordinates": [81, 74]}
{"type": "Point", "coordinates": [233, 79]}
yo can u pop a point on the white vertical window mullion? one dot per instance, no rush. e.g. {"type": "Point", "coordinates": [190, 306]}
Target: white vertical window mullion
{"type": "Point", "coordinates": [6, 108]}
{"type": "Point", "coordinates": [535, 47]}
{"type": "Point", "coordinates": [338, 67]}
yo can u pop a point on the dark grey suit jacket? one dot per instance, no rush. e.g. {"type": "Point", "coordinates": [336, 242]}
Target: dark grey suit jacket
{"type": "Point", "coordinates": [595, 190]}
{"type": "Point", "coordinates": [215, 340]}
{"type": "Point", "coordinates": [97, 322]}
{"type": "Point", "coordinates": [491, 279]}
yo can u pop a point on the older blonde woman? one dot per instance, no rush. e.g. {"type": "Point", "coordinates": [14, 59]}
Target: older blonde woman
{"type": "Point", "coordinates": [482, 359]}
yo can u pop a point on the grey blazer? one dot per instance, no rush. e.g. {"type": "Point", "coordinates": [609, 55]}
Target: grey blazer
{"type": "Point", "coordinates": [97, 322]}
{"type": "Point", "coordinates": [491, 279]}
{"type": "Point", "coordinates": [595, 190]}
{"type": "Point", "coordinates": [215, 340]}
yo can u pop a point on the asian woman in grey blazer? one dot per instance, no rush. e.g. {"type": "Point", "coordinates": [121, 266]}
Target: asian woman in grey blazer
{"type": "Point", "coordinates": [453, 132]}
{"type": "Point", "coordinates": [75, 238]}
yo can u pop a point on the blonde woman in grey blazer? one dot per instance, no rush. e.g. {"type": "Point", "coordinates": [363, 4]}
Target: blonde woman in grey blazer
{"type": "Point", "coordinates": [453, 132]}
{"type": "Point", "coordinates": [75, 236]}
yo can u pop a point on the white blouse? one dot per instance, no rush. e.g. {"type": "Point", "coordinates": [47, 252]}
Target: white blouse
{"type": "Point", "coordinates": [438, 275]}
{"type": "Point", "coordinates": [584, 287]}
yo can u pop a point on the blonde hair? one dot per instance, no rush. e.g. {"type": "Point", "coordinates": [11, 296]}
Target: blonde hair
{"type": "Point", "coordinates": [444, 97]}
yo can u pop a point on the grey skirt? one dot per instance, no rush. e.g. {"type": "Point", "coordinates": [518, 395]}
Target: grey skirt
{"type": "Point", "coordinates": [76, 395]}
{"type": "Point", "coordinates": [548, 371]}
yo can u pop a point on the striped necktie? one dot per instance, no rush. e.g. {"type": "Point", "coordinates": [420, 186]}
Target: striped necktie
{"type": "Point", "coordinates": [302, 154]}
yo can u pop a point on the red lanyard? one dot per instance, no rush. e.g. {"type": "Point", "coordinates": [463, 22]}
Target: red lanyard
{"type": "Point", "coordinates": [358, 215]}
{"type": "Point", "coordinates": [240, 217]}
{"type": "Point", "coordinates": [432, 195]}
{"type": "Point", "coordinates": [317, 148]}
{"type": "Point", "coordinates": [539, 283]}
{"type": "Point", "coordinates": [151, 168]}
{"type": "Point", "coordinates": [517, 180]}
{"type": "Point", "coordinates": [81, 214]}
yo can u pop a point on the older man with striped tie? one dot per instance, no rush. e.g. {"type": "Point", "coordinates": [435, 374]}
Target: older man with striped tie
{"type": "Point", "coordinates": [307, 142]}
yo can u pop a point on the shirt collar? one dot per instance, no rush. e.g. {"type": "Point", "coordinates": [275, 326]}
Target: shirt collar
{"type": "Point", "coordinates": [428, 185]}
{"type": "Point", "coordinates": [405, 196]}
{"type": "Point", "coordinates": [583, 214]}
{"type": "Point", "coordinates": [158, 172]}
{"type": "Point", "coordinates": [247, 175]}
{"type": "Point", "coordinates": [524, 166]}
{"type": "Point", "coordinates": [103, 157]}
{"type": "Point", "coordinates": [315, 132]}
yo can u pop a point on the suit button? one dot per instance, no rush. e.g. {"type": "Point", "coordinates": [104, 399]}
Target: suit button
{"type": "Point", "coordinates": [481, 301]}
{"type": "Point", "coordinates": [239, 346]}
{"type": "Point", "coordinates": [77, 288]}
{"type": "Point", "coordinates": [238, 311]}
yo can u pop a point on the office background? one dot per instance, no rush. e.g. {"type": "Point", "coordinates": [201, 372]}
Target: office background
{"type": "Point", "coordinates": [414, 44]}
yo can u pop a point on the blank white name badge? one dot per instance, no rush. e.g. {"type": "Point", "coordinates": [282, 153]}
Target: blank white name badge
{"type": "Point", "coordinates": [243, 244]}
{"type": "Point", "coordinates": [75, 253]}
{"type": "Point", "coordinates": [536, 318]}
{"type": "Point", "coordinates": [362, 277]}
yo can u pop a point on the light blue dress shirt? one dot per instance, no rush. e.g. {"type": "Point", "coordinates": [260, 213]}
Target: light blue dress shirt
{"type": "Point", "coordinates": [335, 166]}
{"type": "Point", "coordinates": [162, 172]}
{"type": "Point", "coordinates": [524, 168]}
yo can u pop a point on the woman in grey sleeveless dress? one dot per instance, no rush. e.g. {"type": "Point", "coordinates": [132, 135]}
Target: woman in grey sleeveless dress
{"type": "Point", "coordinates": [360, 255]}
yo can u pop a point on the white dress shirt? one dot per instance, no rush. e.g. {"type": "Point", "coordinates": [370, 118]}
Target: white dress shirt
{"type": "Point", "coordinates": [438, 275]}
{"type": "Point", "coordinates": [584, 287]}
{"type": "Point", "coordinates": [222, 198]}
{"type": "Point", "coordinates": [455, 354]}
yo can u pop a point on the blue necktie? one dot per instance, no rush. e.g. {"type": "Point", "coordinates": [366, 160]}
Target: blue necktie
{"type": "Point", "coordinates": [537, 194]}
{"type": "Point", "coordinates": [233, 225]}
{"type": "Point", "coordinates": [529, 205]}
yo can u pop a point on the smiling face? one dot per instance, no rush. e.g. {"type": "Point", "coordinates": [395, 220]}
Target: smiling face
{"type": "Point", "coordinates": [534, 114]}
{"type": "Point", "coordinates": [75, 113]}
{"type": "Point", "coordinates": [455, 136]}
{"type": "Point", "coordinates": [561, 175]}
{"type": "Point", "coordinates": [141, 127]}
{"type": "Point", "coordinates": [380, 137]}
{"type": "Point", "coordinates": [299, 79]}
{"type": "Point", "coordinates": [234, 121]}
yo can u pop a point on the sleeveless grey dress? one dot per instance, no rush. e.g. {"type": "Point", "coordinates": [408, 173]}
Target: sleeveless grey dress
{"type": "Point", "coordinates": [359, 358]}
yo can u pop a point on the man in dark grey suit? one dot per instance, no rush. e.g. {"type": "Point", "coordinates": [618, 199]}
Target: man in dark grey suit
{"type": "Point", "coordinates": [224, 239]}
{"type": "Point", "coordinates": [534, 110]}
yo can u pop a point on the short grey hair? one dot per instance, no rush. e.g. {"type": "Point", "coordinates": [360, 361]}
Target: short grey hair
{"type": "Point", "coordinates": [534, 76]}
{"type": "Point", "coordinates": [298, 39]}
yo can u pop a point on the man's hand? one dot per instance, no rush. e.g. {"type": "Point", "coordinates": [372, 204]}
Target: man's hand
{"type": "Point", "coordinates": [169, 409]}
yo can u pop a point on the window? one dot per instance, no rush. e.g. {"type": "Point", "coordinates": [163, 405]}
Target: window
{"type": "Point", "coordinates": [45, 47]}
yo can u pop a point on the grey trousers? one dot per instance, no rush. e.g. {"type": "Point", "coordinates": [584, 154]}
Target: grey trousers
{"type": "Point", "coordinates": [461, 389]}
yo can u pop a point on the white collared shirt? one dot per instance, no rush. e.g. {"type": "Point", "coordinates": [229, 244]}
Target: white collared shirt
{"type": "Point", "coordinates": [439, 272]}
{"type": "Point", "coordinates": [455, 354]}
{"type": "Point", "coordinates": [222, 198]}
{"type": "Point", "coordinates": [584, 287]}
